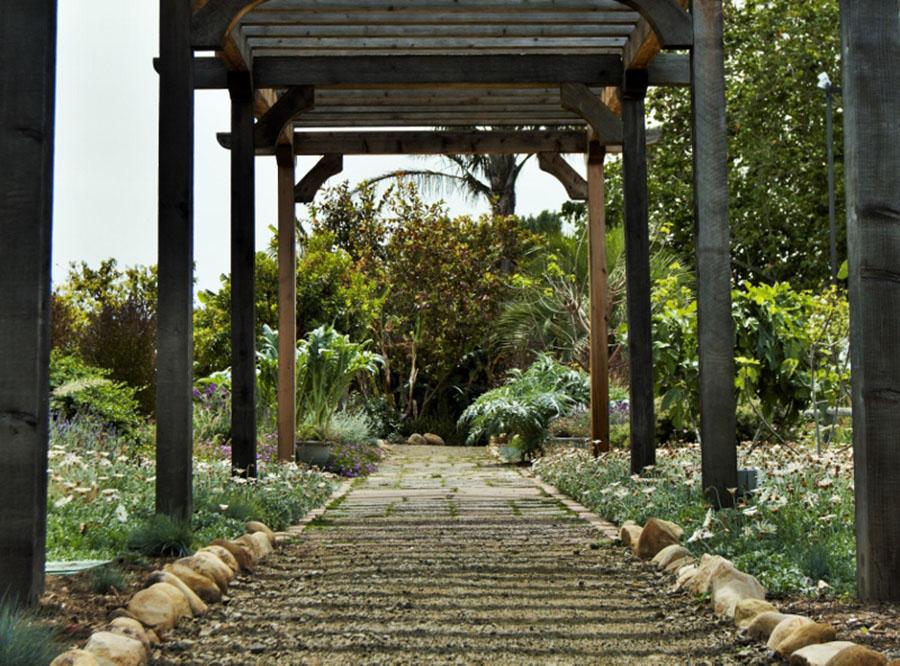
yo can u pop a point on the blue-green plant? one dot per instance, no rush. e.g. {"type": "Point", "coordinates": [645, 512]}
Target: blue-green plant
{"type": "Point", "coordinates": [23, 641]}
{"type": "Point", "coordinates": [525, 404]}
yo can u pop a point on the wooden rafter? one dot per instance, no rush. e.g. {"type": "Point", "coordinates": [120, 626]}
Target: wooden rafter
{"type": "Point", "coordinates": [330, 165]}
{"type": "Point", "coordinates": [556, 166]}
{"type": "Point", "coordinates": [580, 100]}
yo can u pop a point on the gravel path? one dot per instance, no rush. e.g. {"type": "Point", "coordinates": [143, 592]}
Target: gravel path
{"type": "Point", "coordinates": [445, 556]}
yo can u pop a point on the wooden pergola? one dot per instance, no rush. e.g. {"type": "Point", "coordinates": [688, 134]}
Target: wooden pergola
{"type": "Point", "coordinates": [573, 72]}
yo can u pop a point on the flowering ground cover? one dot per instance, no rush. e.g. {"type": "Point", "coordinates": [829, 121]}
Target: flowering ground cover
{"type": "Point", "coordinates": [101, 487]}
{"type": "Point", "coordinates": [794, 533]}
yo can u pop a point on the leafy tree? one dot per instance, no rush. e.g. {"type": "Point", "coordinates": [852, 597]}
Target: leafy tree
{"type": "Point", "coordinates": [777, 167]}
{"type": "Point", "coordinates": [107, 316]}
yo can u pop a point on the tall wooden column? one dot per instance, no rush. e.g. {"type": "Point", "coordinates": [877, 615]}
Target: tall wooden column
{"type": "Point", "coordinates": [243, 278]}
{"type": "Point", "coordinates": [174, 356]}
{"type": "Point", "coordinates": [287, 302]}
{"type": "Point", "coordinates": [715, 326]}
{"type": "Point", "coordinates": [27, 75]}
{"type": "Point", "coordinates": [598, 289]}
{"type": "Point", "coordinates": [871, 84]}
{"type": "Point", "coordinates": [637, 263]}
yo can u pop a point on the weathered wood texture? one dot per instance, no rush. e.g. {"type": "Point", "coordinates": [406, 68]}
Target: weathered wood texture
{"type": "Point", "coordinates": [281, 113]}
{"type": "Point", "coordinates": [174, 358]}
{"type": "Point", "coordinates": [871, 87]}
{"type": "Point", "coordinates": [579, 99]}
{"type": "Point", "coordinates": [715, 326]}
{"type": "Point", "coordinates": [216, 19]}
{"type": "Point", "coordinates": [287, 302]}
{"type": "Point", "coordinates": [556, 166]}
{"type": "Point", "coordinates": [27, 75]}
{"type": "Point", "coordinates": [243, 278]}
{"type": "Point", "coordinates": [599, 300]}
{"type": "Point", "coordinates": [637, 263]}
{"type": "Point", "coordinates": [330, 165]}
{"type": "Point", "coordinates": [669, 21]}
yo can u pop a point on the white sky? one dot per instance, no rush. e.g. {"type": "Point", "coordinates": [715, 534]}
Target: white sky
{"type": "Point", "coordinates": [106, 150]}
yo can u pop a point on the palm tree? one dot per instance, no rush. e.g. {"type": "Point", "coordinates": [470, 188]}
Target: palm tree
{"type": "Point", "coordinates": [488, 177]}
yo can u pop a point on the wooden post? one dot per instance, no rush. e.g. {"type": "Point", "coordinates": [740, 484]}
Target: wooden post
{"type": "Point", "coordinates": [871, 87]}
{"type": "Point", "coordinates": [27, 76]}
{"type": "Point", "coordinates": [174, 357]}
{"type": "Point", "coordinates": [715, 326]}
{"type": "Point", "coordinates": [243, 279]}
{"type": "Point", "coordinates": [598, 289]}
{"type": "Point", "coordinates": [287, 301]}
{"type": "Point", "coordinates": [637, 261]}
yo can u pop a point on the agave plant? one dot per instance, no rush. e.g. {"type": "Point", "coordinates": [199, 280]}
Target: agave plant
{"type": "Point", "coordinates": [525, 404]}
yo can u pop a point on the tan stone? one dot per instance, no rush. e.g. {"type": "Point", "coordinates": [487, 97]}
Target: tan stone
{"type": "Point", "coordinates": [153, 637]}
{"type": "Point", "coordinates": [728, 586]}
{"type": "Point", "coordinates": [75, 658]}
{"type": "Point", "coordinates": [785, 628]}
{"type": "Point", "coordinates": [241, 552]}
{"type": "Point", "coordinates": [629, 534]}
{"type": "Point", "coordinates": [259, 547]}
{"type": "Point", "coordinates": [858, 655]}
{"type": "Point", "coordinates": [677, 565]}
{"type": "Point", "coordinates": [224, 555]}
{"type": "Point", "coordinates": [807, 634]}
{"type": "Point", "coordinates": [433, 440]}
{"type": "Point", "coordinates": [818, 655]}
{"type": "Point", "coordinates": [416, 439]}
{"type": "Point", "coordinates": [670, 554]}
{"type": "Point", "coordinates": [226, 571]}
{"type": "Point", "coordinates": [159, 607]}
{"type": "Point", "coordinates": [129, 627]}
{"type": "Point", "coordinates": [117, 649]}
{"type": "Point", "coordinates": [709, 566]}
{"type": "Point", "coordinates": [263, 543]}
{"type": "Point", "coordinates": [206, 568]}
{"type": "Point", "coordinates": [656, 535]}
{"type": "Point", "coordinates": [255, 526]}
{"type": "Point", "coordinates": [195, 602]}
{"type": "Point", "coordinates": [746, 611]}
{"type": "Point", "coordinates": [203, 586]}
{"type": "Point", "coordinates": [764, 624]}
{"type": "Point", "coordinates": [686, 575]}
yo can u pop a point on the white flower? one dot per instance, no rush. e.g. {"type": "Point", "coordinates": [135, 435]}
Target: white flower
{"type": "Point", "coordinates": [62, 501]}
{"type": "Point", "coordinates": [121, 513]}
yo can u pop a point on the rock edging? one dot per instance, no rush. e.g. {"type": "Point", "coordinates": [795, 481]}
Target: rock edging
{"type": "Point", "coordinates": [182, 590]}
{"type": "Point", "coordinates": [796, 639]}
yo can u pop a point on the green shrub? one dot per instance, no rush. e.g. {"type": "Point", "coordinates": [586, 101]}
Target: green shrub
{"type": "Point", "coordinates": [384, 419]}
{"type": "Point", "coordinates": [161, 536]}
{"type": "Point", "coordinates": [525, 404]}
{"type": "Point", "coordinates": [350, 428]}
{"type": "Point", "coordinates": [23, 641]}
{"type": "Point", "coordinates": [107, 579]}
{"type": "Point", "coordinates": [78, 389]}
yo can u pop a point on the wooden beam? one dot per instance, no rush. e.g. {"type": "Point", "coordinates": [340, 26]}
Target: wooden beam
{"type": "Point", "coordinates": [556, 166]}
{"type": "Point", "coordinates": [637, 262]}
{"type": "Point", "coordinates": [291, 103]}
{"type": "Point", "coordinates": [27, 76]}
{"type": "Point", "coordinates": [447, 28]}
{"type": "Point", "coordinates": [669, 21]}
{"type": "Point", "coordinates": [599, 300]}
{"type": "Point", "coordinates": [579, 99]}
{"type": "Point", "coordinates": [287, 302]}
{"type": "Point", "coordinates": [174, 356]}
{"type": "Point", "coordinates": [498, 71]}
{"type": "Point", "coordinates": [715, 327]}
{"type": "Point", "coordinates": [330, 165]}
{"type": "Point", "coordinates": [871, 89]}
{"type": "Point", "coordinates": [471, 15]}
{"type": "Point", "coordinates": [243, 278]}
{"type": "Point", "coordinates": [214, 21]}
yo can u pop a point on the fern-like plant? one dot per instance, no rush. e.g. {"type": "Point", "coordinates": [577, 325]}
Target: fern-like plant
{"type": "Point", "coordinates": [525, 404]}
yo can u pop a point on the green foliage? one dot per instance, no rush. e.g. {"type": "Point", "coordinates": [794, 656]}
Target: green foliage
{"type": "Point", "coordinates": [161, 536]}
{"type": "Point", "coordinates": [778, 203]}
{"type": "Point", "coordinates": [525, 404]}
{"type": "Point", "coordinates": [107, 316]}
{"type": "Point", "coordinates": [23, 640]}
{"type": "Point", "coordinates": [788, 344]}
{"type": "Point", "coordinates": [795, 530]}
{"type": "Point", "coordinates": [212, 411]}
{"type": "Point", "coordinates": [350, 427]}
{"type": "Point", "coordinates": [107, 579]}
{"type": "Point", "coordinates": [383, 419]}
{"type": "Point", "coordinates": [79, 390]}
{"type": "Point", "coordinates": [354, 458]}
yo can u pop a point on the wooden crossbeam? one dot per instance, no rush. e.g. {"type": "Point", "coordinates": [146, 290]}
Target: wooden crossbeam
{"type": "Point", "coordinates": [212, 22]}
{"type": "Point", "coordinates": [330, 165]}
{"type": "Point", "coordinates": [671, 24]}
{"type": "Point", "coordinates": [556, 166]}
{"type": "Point", "coordinates": [280, 114]}
{"type": "Point", "coordinates": [579, 99]}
